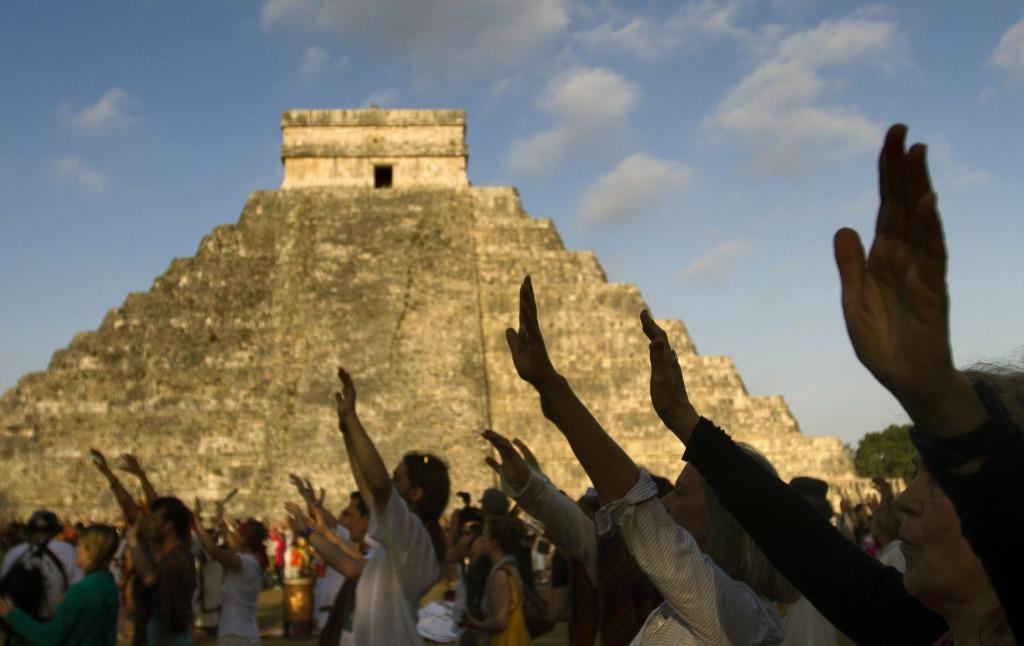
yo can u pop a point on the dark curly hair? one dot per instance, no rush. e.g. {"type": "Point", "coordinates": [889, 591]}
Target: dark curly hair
{"type": "Point", "coordinates": [429, 473]}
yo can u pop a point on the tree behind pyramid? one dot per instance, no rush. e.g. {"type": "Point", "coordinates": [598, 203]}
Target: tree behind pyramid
{"type": "Point", "coordinates": [375, 254]}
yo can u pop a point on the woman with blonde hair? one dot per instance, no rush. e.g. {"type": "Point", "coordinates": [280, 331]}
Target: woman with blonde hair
{"type": "Point", "coordinates": [88, 613]}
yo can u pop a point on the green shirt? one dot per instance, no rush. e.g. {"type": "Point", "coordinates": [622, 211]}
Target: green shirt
{"type": "Point", "coordinates": [87, 615]}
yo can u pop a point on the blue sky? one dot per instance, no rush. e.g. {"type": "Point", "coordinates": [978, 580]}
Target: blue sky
{"type": "Point", "coordinates": [707, 151]}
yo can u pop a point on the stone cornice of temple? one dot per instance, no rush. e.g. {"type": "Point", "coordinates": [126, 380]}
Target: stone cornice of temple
{"type": "Point", "coordinates": [372, 117]}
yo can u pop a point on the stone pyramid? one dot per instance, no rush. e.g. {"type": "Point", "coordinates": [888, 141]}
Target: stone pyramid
{"type": "Point", "coordinates": [375, 254]}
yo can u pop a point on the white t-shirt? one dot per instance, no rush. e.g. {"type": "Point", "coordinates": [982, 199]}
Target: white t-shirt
{"type": "Point", "coordinates": [55, 587]}
{"type": "Point", "coordinates": [400, 571]}
{"type": "Point", "coordinates": [327, 586]}
{"type": "Point", "coordinates": [239, 599]}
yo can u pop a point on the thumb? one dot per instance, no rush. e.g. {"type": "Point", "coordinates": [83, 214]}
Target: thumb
{"type": "Point", "coordinates": [850, 260]}
{"type": "Point", "coordinates": [513, 340]}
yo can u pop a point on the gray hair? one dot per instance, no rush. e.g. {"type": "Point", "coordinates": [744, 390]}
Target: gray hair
{"type": "Point", "coordinates": [1007, 380]}
{"type": "Point", "coordinates": [733, 550]}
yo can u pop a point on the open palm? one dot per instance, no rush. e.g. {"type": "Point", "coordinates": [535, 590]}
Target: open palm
{"type": "Point", "coordinates": [895, 301]}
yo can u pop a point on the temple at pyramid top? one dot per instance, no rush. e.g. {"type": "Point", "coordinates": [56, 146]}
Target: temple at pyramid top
{"type": "Point", "coordinates": [374, 148]}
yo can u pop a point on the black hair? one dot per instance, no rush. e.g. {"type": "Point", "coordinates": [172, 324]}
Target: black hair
{"type": "Point", "coordinates": [507, 532]}
{"type": "Point", "coordinates": [360, 503]}
{"type": "Point", "coordinates": [176, 513]}
{"type": "Point", "coordinates": [429, 473]}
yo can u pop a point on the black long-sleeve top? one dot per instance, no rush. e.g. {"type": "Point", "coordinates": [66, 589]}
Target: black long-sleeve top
{"type": "Point", "coordinates": [857, 594]}
{"type": "Point", "coordinates": [990, 504]}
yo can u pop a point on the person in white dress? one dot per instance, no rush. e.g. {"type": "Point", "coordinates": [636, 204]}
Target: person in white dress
{"type": "Point", "coordinates": [243, 576]}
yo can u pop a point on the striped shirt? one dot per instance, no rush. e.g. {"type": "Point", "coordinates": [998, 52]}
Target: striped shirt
{"type": "Point", "coordinates": [703, 604]}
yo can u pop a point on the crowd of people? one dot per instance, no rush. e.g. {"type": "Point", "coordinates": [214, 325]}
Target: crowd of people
{"type": "Point", "coordinates": [726, 554]}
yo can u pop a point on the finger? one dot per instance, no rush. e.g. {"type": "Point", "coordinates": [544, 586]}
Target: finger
{"type": "Point", "coordinates": [850, 260]}
{"type": "Point", "coordinates": [494, 464]}
{"type": "Point", "coordinates": [918, 186]}
{"type": "Point", "coordinates": [528, 310]}
{"type": "Point", "coordinates": [498, 440]}
{"type": "Point", "coordinates": [528, 455]}
{"type": "Point", "coordinates": [349, 386]}
{"type": "Point", "coordinates": [932, 243]}
{"type": "Point", "coordinates": [653, 331]}
{"type": "Point", "coordinates": [892, 184]}
{"type": "Point", "coordinates": [514, 345]}
{"type": "Point", "coordinates": [918, 181]}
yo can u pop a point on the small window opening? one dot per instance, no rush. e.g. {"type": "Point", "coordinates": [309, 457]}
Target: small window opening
{"type": "Point", "coordinates": [382, 176]}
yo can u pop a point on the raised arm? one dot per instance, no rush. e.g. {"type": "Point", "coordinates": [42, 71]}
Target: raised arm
{"type": "Point", "coordinates": [362, 454]}
{"type": "Point", "coordinates": [145, 568]}
{"type": "Point", "coordinates": [563, 518]}
{"type": "Point", "coordinates": [610, 469]}
{"type": "Point", "coordinates": [859, 595]}
{"type": "Point", "coordinates": [129, 507]}
{"type": "Point", "coordinates": [896, 306]}
{"type": "Point", "coordinates": [130, 464]}
{"type": "Point", "coordinates": [324, 541]}
{"type": "Point", "coordinates": [224, 555]}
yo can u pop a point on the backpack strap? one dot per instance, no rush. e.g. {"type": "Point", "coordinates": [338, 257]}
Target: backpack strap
{"type": "Point", "coordinates": [44, 550]}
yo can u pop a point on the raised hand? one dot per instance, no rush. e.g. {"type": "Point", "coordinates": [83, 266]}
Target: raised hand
{"type": "Point", "coordinates": [197, 513]}
{"type": "Point", "coordinates": [346, 399]}
{"type": "Point", "coordinates": [297, 518]}
{"type": "Point", "coordinates": [130, 464]}
{"type": "Point", "coordinates": [512, 466]}
{"type": "Point", "coordinates": [318, 523]}
{"type": "Point", "coordinates": [300, 486]}
{"type": "Point", "coordinates": [527, 344]}
{"type": "Point", "coordinates": [668, 390]}
{"type": "Point", "coordinates": [895, 301]}
{"type": "Point", "coordinates": [100, 461]}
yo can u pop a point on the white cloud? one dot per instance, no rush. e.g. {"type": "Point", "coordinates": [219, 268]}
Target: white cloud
{"type": "Point", "coordinates": [951, 172]}
{"type": "Point", "coordinates": [72, 170]}
{"type": "Point", "coordinates": [715, 267]}
{"type": "Point", "coordinates": [589, 97]}
{"type": "Point", "coordinates": [384, 98]}
{"type": "Point", "coordinates": [313, 63]}
{"type": "Point", "coordinates": [114, 109]}
{"type": "Point", "coordinates": [442, 38]}
{"type": "Point", "coordinates": [1009, 53]}
{"type": "Point", "coordinates": [588, 103]}
{"type": "Point", "coordinates": [636, 186]}
{"type": "Point", "coordinates": [650, 38]}
{"type": "Point", "coordinates": [778, 108]}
